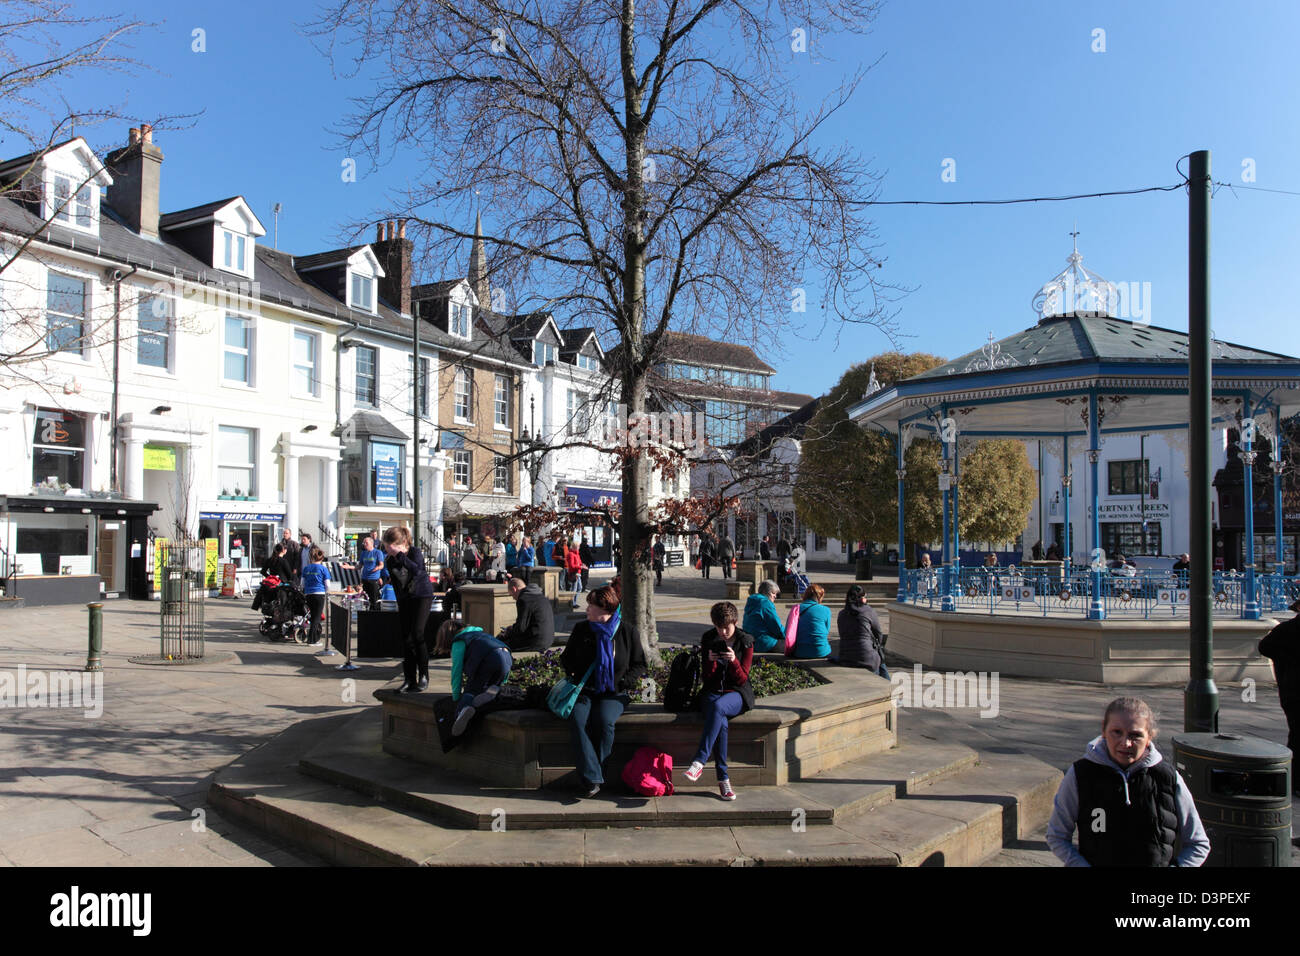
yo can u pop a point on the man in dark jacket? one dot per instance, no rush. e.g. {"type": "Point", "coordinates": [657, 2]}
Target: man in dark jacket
{"type": "Point", "coordinates": [291, 549]}
{"type": "Point", "coordinates": [707, 554]}
{"type": "Point", "coordinates": [726, 554]}
{"type": "Point", "coordinates": [860, 633]}
{"type": "Point", "coordinates": [1282, 646]}
{"type": "Point", "coordinates": [534, 627]}
{"type": "Point", "coordinates": [765, 548]}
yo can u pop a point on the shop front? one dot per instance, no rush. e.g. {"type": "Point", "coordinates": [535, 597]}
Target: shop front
{"type": "Point", "coordinates": [586, 504]}
{"type": "Point", "coordinates": [246, 537]}
{"type": "Point", "coordinates": [69, 549]}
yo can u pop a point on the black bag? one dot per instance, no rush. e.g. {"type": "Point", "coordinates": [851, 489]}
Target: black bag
{"type": "Point", "coordinates": [444, 715]}
{"type": "Point", "coordinates": [682, 691]}
{"type": "Point", "coordinates": [402, 578]}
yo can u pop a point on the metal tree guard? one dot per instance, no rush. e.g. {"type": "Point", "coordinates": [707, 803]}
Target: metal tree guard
{"type": "Point", "coordinates": [183, 590]}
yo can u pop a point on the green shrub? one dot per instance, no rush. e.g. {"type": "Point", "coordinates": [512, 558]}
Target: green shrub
{"type": "Point", "coordinates": [766, 676]}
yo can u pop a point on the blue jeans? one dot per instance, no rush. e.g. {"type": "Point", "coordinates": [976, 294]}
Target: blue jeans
{"type": "Point", "coordinates": [717, 710]}
{"type": "Point", "coordinates": [592, 727]}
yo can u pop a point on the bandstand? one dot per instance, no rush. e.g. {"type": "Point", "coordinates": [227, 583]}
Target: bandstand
{"type": "Point", "coordinates": [1080, 375]}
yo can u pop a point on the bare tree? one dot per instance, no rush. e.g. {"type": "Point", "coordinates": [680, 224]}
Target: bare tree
{"type": "Point", "coordinates": [645, 168]}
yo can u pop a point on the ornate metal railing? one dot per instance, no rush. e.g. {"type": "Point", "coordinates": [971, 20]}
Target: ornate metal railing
{"type": "Point", "coordinates": [1079, 592]}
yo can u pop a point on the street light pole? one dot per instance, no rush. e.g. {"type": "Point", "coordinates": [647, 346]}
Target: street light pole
{"type": "Point", "coordinates": [1201, 697]}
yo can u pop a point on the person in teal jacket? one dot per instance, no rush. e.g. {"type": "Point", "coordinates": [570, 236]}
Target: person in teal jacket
{"type": "Point", "coordinates": [480, 664]}
{"type": "Point", "coordinates": [761, 620]}
{"type": "Point", "coordinates": [814, 636]}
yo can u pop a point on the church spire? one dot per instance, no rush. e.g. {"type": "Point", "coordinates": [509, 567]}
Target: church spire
{"type": "Point", "coordinates": [478, 278]}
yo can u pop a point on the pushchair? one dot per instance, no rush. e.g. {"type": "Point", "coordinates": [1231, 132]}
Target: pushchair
{"type": "Point", "coordinates": [284, 612]}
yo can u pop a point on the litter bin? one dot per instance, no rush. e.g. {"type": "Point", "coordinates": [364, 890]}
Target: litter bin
{"type": "Point", "coordinates": [863, 572]}
{"type": "Point", "coordinates": [1242, 789]}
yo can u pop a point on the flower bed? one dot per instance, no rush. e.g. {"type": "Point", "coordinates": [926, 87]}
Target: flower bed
{"type": "Point", "coordinates": [766, 676]}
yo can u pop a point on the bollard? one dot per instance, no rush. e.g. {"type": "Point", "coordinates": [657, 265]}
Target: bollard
{"type": "Point", "coordinates": [95, 644]}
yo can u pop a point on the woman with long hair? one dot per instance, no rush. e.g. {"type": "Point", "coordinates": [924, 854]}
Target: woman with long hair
{"type": "Point", "coordinates": [410, 580]}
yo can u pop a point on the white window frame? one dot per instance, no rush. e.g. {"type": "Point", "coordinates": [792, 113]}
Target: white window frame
{"type": "Point", "coordinates": [500, 396]}
{"type": "Point", "coordinates": [462, 458]}
{"type": "Point", "coordinates": [145, 299]}
{"type": "Point", "coordinates": [294, 367]}
{"type": "Point", "coordinates": [356, 374]}
{"type": "Point", "coordinates": [219, 234]}
{"type": "Point", "coordinates": [251, 466]}
{"type": "Point", "coordinates": [369, 303]}
{"type": "Point", "coordinates": [500, 475]}
{"type": "Point", "coordinates": [465, 378]}
{"type": "Point", "coordinates": [547, 353]}
{"type": "Point", "coordinates": [68, 216]}
{"type": "Point", "coordinates": [427, 367]}
{"type": "Point", "coordinates": [250, 352]}
{"type": "Point", "coordinates": [589, 362]}
{"type": "Point", "coordinates": [82, 342]}
{"type": "Point", "coordinates": [458, 318]}
{"type": "Point", "coordinates": [577, 415]}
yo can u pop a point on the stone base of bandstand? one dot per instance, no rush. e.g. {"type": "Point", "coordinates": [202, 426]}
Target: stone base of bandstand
{"type": "Point", "coordinates": [1114, 651]}
{"type": "Point", "coordinates": [823, 775]}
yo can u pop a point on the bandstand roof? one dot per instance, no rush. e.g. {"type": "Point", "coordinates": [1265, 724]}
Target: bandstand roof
{"type": "Point", "coordinates": [1036, 382]}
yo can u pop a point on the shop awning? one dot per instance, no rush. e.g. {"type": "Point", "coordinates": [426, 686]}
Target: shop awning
{"type": "Point", "coordinates": [76, 504]}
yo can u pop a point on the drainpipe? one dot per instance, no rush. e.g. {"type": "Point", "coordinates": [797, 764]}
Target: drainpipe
{"type": "Point", "coordinates": [338, 373]}
{"type": "Point", "coordinates": [116, 277]}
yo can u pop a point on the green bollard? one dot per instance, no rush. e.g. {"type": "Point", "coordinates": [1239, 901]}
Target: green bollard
{"type": "Point", "coordinates": [95, 647]}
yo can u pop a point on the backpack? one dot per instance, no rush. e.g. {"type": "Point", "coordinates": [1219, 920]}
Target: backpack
{"type": "Point", "coordinates": [791, 630]}
{"type": "Point", "coordinates": [682, 690]}
{"type": "Point", "coordinates": [650, 773]}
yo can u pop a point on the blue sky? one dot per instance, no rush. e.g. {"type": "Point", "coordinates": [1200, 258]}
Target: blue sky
{"type": "Point", "coordinates": [1013, 92]}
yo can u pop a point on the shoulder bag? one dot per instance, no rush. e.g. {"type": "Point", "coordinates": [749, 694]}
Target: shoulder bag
{"type": "Point", "coordinates": [565, 694]}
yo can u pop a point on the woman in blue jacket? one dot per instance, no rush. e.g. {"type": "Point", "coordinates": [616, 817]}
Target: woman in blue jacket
{"type": "Point", "coordinates": [480, 664]}
{"type": "Point", "coordinates": [761, 620]}
{"type": "Point", "coordinates": [315, 588]}
{"type": "Point", "coordinates": [814, 635]}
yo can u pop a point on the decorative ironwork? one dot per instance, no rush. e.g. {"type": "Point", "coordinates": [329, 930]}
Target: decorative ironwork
{"type": "Point", "coordinates": [990, 359]}
{"type": "Point", "coordinates": [1248, 457]}
{"type": "Point", "coordinates": [873, 383]}
{"type": "Point", "coordinates": [1075, 289]}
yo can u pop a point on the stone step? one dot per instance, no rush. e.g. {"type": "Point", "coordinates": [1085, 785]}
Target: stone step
{"type": "Point", "coordinates": [352, 757]}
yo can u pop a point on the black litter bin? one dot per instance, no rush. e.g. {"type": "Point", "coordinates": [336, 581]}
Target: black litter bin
{"type": "Point", "coordinates": [1242, 789]}
{"type": "Point", "coordinates": [863, 569]}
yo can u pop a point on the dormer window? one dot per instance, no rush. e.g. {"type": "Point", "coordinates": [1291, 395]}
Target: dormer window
{"type": "Point", "coordinates": [234, 250]}
{"type": "Point", "coordinates": [588, 362]}
{"type": "Point", "coordinates": [362, 293]}
{"type": "Point", "coordinates": [458, 321]}
{"type": "Point", "coordinates": [69, 210]}
{"type": "Point", "coordinates": [543, 352]}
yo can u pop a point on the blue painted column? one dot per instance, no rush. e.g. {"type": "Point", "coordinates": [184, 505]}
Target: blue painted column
{"type": "Point", "coordinates": [902, 545]}
{"type": "Point", "coordinates": [945, 576]}
{"type": "Point", "coordinates": [1066, 544]}
{"type": "Point", "coordinates": [1250, 607]}
{"type": "Point", "coordinates": [1096, 607]}
{"type": "Point", "coordinates": [956, 526]}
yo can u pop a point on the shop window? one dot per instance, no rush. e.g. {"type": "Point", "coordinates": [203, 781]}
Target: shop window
{"type": "Point", "coordinates": [59, 449]}
{"type": "Point", "coordinates": [1127, 477]}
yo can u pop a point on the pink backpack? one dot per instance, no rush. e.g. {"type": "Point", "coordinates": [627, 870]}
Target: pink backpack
{"type": "Point", "coordinates": [791, 630]}
{"type": "Point", "coordinates": [650, 773]}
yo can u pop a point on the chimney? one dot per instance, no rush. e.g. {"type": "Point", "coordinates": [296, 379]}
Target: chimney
{"type": "Point", "coordinates": [136, 169]}
{"type": "Point", "coordinates": [393, 250]}
{"type": "Point", "coordinates": [478, 279]}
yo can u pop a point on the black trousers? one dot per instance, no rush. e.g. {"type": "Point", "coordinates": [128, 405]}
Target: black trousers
{"type": "Point", "coordinates": [372, 592]}
{"type": "Point", "coordinates": [413, 615]}
{"type": "Point", "coordinates": [316, 610]}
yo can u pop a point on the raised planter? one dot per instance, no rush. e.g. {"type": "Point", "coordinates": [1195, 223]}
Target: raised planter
{"type": "Point", "coordinates": [784, 738]}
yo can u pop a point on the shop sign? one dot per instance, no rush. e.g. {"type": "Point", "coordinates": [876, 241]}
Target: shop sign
{"type": "Point", "coordinates": [237, 516]}
{"type": "Point", "coordinates": [159, 458]}
{"type": "Point", "coordinates": [386, 482]}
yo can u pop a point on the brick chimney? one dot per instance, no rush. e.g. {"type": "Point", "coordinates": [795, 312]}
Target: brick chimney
{"type": "Point", "coordinates": [136, 169]}
{"type": "Point", "coordinates": [393, 250]}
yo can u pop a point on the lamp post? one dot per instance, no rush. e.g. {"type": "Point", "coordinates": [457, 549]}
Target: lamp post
{"type": "Point", "coordinates": [533, 452]}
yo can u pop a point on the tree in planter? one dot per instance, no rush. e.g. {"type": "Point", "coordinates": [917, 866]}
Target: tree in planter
{"type": "Point", "coordinates": [645, 167]}
{"type": "Point", "coordinates": [848, 483]}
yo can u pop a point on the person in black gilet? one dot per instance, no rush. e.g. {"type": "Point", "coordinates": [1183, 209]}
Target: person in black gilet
{"type": "Point", "coordinates": [1130, 807]}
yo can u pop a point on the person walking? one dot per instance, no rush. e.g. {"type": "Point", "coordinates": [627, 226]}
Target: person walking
{"type": "Point", "coordinates": [406, 570]}
{"type": "Point", "coordinates": [726, 554]}
{"type": "Point", "coordinates": [607, 652]}
{"type": "Point", "coordinates": [707, 554]}
{"type": "Point", "coordinates": [371, 565]}
{"type": "Point", "coordinates": [584, 552]}
{"type": "Point", "coordinates": [659, 553]}
{"type": "Point", "coordinates": [315, 588]}
{"type": "Point", "coordinates": [724, 691]}
{"type": "Point", "coordinates": [573, 567]}
{"type": "Point", "coordinates": [1282, 646]}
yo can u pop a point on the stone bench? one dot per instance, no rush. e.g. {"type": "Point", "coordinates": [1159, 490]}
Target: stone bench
{"type": "Point", "coordinates": [785, 737]}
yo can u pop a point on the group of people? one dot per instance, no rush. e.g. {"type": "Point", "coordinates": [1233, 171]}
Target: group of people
{"type": "Point", "coordinates": [708, 550]}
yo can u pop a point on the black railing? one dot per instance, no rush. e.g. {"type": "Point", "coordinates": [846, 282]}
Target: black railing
{"type": "Point", "coordinates": [339, 546]}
